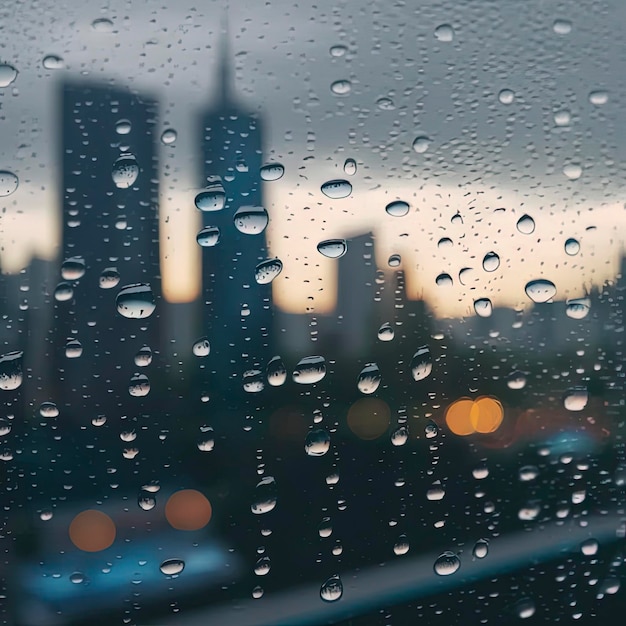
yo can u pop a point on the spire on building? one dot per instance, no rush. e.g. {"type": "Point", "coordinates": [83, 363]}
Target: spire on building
{"type": "Point", "coordinates": [225, 70]}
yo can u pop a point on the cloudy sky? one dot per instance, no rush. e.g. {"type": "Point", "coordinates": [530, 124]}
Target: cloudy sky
{"type": "Point", "coordinates": [554, 148]}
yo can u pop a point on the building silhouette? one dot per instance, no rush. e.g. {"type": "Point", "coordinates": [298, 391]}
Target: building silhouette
{"type": "Point", "coordinates": [109, 194]}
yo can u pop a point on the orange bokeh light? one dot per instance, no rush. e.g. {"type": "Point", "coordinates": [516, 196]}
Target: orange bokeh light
{"type": "Point", "coordinates": [188, 509]}
{"type": "Point", "coordinates": [458, 417]}
{"type": "Point", "coordinates": [369, 418]}
{"type": "Point", "coordinates": [483, 415]}
{"type": "Point", "coordinates": [92, 531]}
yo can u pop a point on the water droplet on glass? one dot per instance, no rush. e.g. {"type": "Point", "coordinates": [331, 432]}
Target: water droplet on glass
{"type": "Point", "coordinates": [481, 549]}
{"type": "Point", "coordinates": [483, 307]}
{"type": "Point", "coordinates": [265, 496]}
{"type": "Point", "coordinates": [123, 127]}
{"type": "Point", "coordinates": [338, 50]}
{"type": "Point", "coordinates": [341, 87]}
{"type": "Point", "coordinates": [253, 381]}
{"type": "Point", "coordinates": [576, 398]}
{"type": "Point", "coordinates": [562, 27]}
{"type": "Point", "coordinates": [436, 492]}
{"type": "Point", "coordinates": [99, 420]}
{"type": "Point", "coordinates": [562, 117]}
{"type": "Point", "coordinates": [272, 171]}
{"type": "Point", "coordinates": [146, 501]}
{"type": "Point", "coordinates": [447, 563]}
{"type": "Point", "coordinates": [349, 167]}
{"type": "Point", "coordinates": [401, 546]}
{"type": "Point", "coordinates": [332, 589]}
{"type": "Point", "coordinates": [9, 182]}
{"type": "Point", "coordinates": [589, 547]}
{"type": "Point", "coordinates": [52, 62]}
{"type": "Point", "coordinates": [139, 386]}
{"type": "Point", "coordinates": [46, 516]}
{"type": "Point", "coordinates": [267, 271]}
{"type": "Point", "coordinates": [325, 529]}
{"type": "Point", "coordinates": [143, 358]}
{"type": "Point", "coordinates": [109, 278]}
{"type": "Point", "coordinates": [125, 171]}
{"type": "Point", "coordinates": [317, 442]}
{"type": "Point", "coordinates": [491, 262]}
{"type": "Point", "coordinates": [276, 372]}
{"type": "Point", "coordinates": [73, 349]}
{"type": "Point", "coordinates": [332, 248]}
{"type": "Point", "coordinates": [206, 444]}
{"type": "Point", "coordinates": [577, 308]}
{"type": "Point", "coordinates": [525, 608]}
{"type": "Point", "coordinates": [73, 268]}
{"type": "Point", "coordinates": [444, 280]}
{"type": "Point", "coordinates": [262, 566]}
{"type": "Point", "coordinates": [309, 370]}
{"type": "Point", "coordinates": [516, 380]}
{"type": "Point", "coordinates": [466, 275]}
{"type": "Point", "coordinates": [444, 243]}
{"type": "Point", "coordinates": [540, 290]}
{"type": "Point", "coordinates": [599, 97]}
{"type": "Point", "coordinates": [527, 473]}
{"type": "Point", "coordinates": [77, 578]}
{"type": "Point", "coordinates": [211, 198]}
{"type": "Point", "coordinates": [572, 247]}
{"type": "Point", "coordinates": [102, 25]}
{"type": "Point", "coordinates": [386, 332]}
{"type": "Point", "coordinates": [48, 409]}
{"type": "Point", "coordinates": [529, 511]}
{"type": "Point", "coordinates": [336, 189]}
{"type": "Point", "coordinates": [526, 225]}
{"type": "Point", "coordinates": [7, 74]}
{"type": "Point", "coordinates": [431, 430]}
{"type": "Point", "coordinates": [385, 104]}
{"type": "Point", "coordinates": [444, 33]}
{"type": "Point", "coordinates": [394, 260]}
{"type": "Point", "coordinates": [171, 567]}
{"type": "Point", "coordinates": [208, 236]}
{"type": "Point", "coordinates": [573, 171]}
{"type": "Point", "coordinates": [421, 363]}
{"type": "Point", "coordinates": [251, 220]}
{"type": "Point", "coordinates": [169, 136]}
{"type": "Point", "coordinates": [506, 96]}
{"type": "Point", "coordinates": [135, 301]}
{"type": "Point", "coordinates": [369, 379]}
{"type": "Point", "coordinates": [399, 436]}
{"type": "Point", "coordinates": [257, 592]}
{"type": "Point", "coordinates": [63, 292]}
{"type": "Point", "coordinates": [399, 208]}
{"type": "Point", "coordinates": [201, 347]}
{"type": "Point", "coordinates": [421, 144]}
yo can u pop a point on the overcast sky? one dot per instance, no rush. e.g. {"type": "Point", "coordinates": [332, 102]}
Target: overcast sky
{"type": "Point", "coordinates": [483, 155]}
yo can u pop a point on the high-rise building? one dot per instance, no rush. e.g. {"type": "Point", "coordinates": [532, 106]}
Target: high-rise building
{"type": "Point", "coordinates": [236, 310]}
{"type": "Point", "coordinates": [109, 195]}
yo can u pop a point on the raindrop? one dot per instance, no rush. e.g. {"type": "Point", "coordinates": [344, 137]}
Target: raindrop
{"type": "Point", "coordinates": [421, 363]}
{"type": "Point", "coordinates": [265, 497]}
{"type": "Point", "coordinates": [123, 127]}
{"type": "Point", "coordinates": [125, 171]}
{"type": "Point", "coordinates": [45, 516]}
{"type": "Point", "coordinates": [562, 117]}
{"type": "Point", "coordinates": [276, 372]}
{"type": "Point", "coordinates": [135, 301]}
{"type": "Point", "coordinates": [201, 347]}
{"type": "Point", "coordinates": [572, 247]}
{"type": "Point", "coordinates": [610, 586]}
{"type": "Point", "coordinates": [481, 549]}
{"type": "Point", "coordinates": [529, 511]}
{"type": "Point", "coordinates": [325, 528]}
{"type": "Point", "coordinates": [528, 473]}
{"type": "Point", "coordinates": [349, 167]}
{"type": "Point", "coordinates": [506, 96]}
{"type": "Point", "coordinates": [444, 280]}
{"type": "Point", "coordinates": [253, 381]}
{"type": "Point", "coordinates": [446, 564]}
{"type": "Point", "coordinates": [139, 386]}
{"type": "Point", "coordinates": [491, 262]}
{"type": "Point", "coordinates": [9, 182]}
{"type": "Point", "coordinates": [262, 566]}
{"type": "Point", "coordinates": [516, 380]}
{"type": "Point", "coordinates": [444, 33]}
{"type": "Point", "coordinates": [212, 198]}
{"type": "Point", "coordinates": [483, 307]}
{"type": "Point", "coordinates": [598, 98]}
{"type": "Point", "coordinates": [146, 501]}
{"type": "Point", "coordinates": [525, 608]}
{"type": "Point", "coordinates": [77, 578]}
{"type": "Point", "coordinates": [399, 436]}
{"type": "Point", "coordinates": [576, 398]}
{"type": "Point", "coordinates": [336, 189]}
{"type": "Point", "coordinates": [436, 492]}
{"type": "Point", "coordinates": [589, 547]}
{"type": "Point", "coordinates": [143, 358]}
{"type": "Point", "coordinates": [401, 546]}
{"type": "Point", "coordinates": [7, 74]}
{"type": "Point", "coordinates": [465, 275]}
{"type": "Point", "coordinates": [369, 379]}
{"type": "Point", "coordinates": [272, 171]}
{"type": "Point", "coordinates": [102, 25]}
{"type": "Point", "coordinates": [171, 567]}
{"type": "Point", "coordinates": [257, 592]}
{"type": "Point", "coordinates": [526, 224]}
{"type": "Point", "coordinates": [386, 332]}
{"type": "Point", "coordinates": [48, 409]}
{"type": "Point", "coordinates": [444, 242]}
{"type": "Point", "coordinates": [206, 445]}
{"type": "Point", "coordinates": [317, 442]}
{"type": "Point", "coordinates": [63, 292]}
{"type": "Point", "coordinates": [169, 136]}
{"type": "Point", "coordinates": [73, 349]}
{"type": "Point", "coordinates": [267, 271]}
{"type": "Point", "coordinates": [332, 248]}
{"type": "Point", "coordinates": [577, 308]}
{"type": "Point", "coordinates": [385, 104]}
{"type": "Point", "coordinates": [309, 370]}
{"type": "Point", "coordinates": [52, 62]}
{"type": "Point", "coordinates": [5, 428]}
{"type": "Point", "coordinates": [540, 290]}
{"type": "Point", "coordinates": [394, 260]}
{"type": "Point", "coordinates": [431, 430]}
{"type": "Point", "coordinates": [562, 27]}
{"type": "Point", "coordinates": [208, 236]}
{"type": "Point", "coordinates": [332, 589]}
{"type": "Point", "coordinates": [338, 50]}
{"type": "Point", "coordinates": [251, 220]}
{"type": "Point", "coordinates": [456, 219]}
{"type": "Point", "coordinates": [341, 87]}
{"type": "Point", "coordinates": [109, 278]}
{"type": "Point", "coordinates": [573, 171]}
{"type": "Point", "coordinates": [421, 144]}
{"type": "Point", "coordinates": [73, 268]}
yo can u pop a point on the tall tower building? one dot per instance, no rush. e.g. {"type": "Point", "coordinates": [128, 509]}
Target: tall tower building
{"type": "Point", "coordinates": [236, 310]}
{"type": "Point", "coordinates": [109, 195]}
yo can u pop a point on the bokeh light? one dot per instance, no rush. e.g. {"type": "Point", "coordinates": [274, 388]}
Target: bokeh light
{"type": "Point", "coordinates": [466, 416]}
{"type": "Point", "coordinates": [458, 417]}
{"type": "Point", "coordinates": [92, 531]}
{"type": "Point", "coordinates": [369, 418]}
{"type": "Point", "coordinates": [188, 509]}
